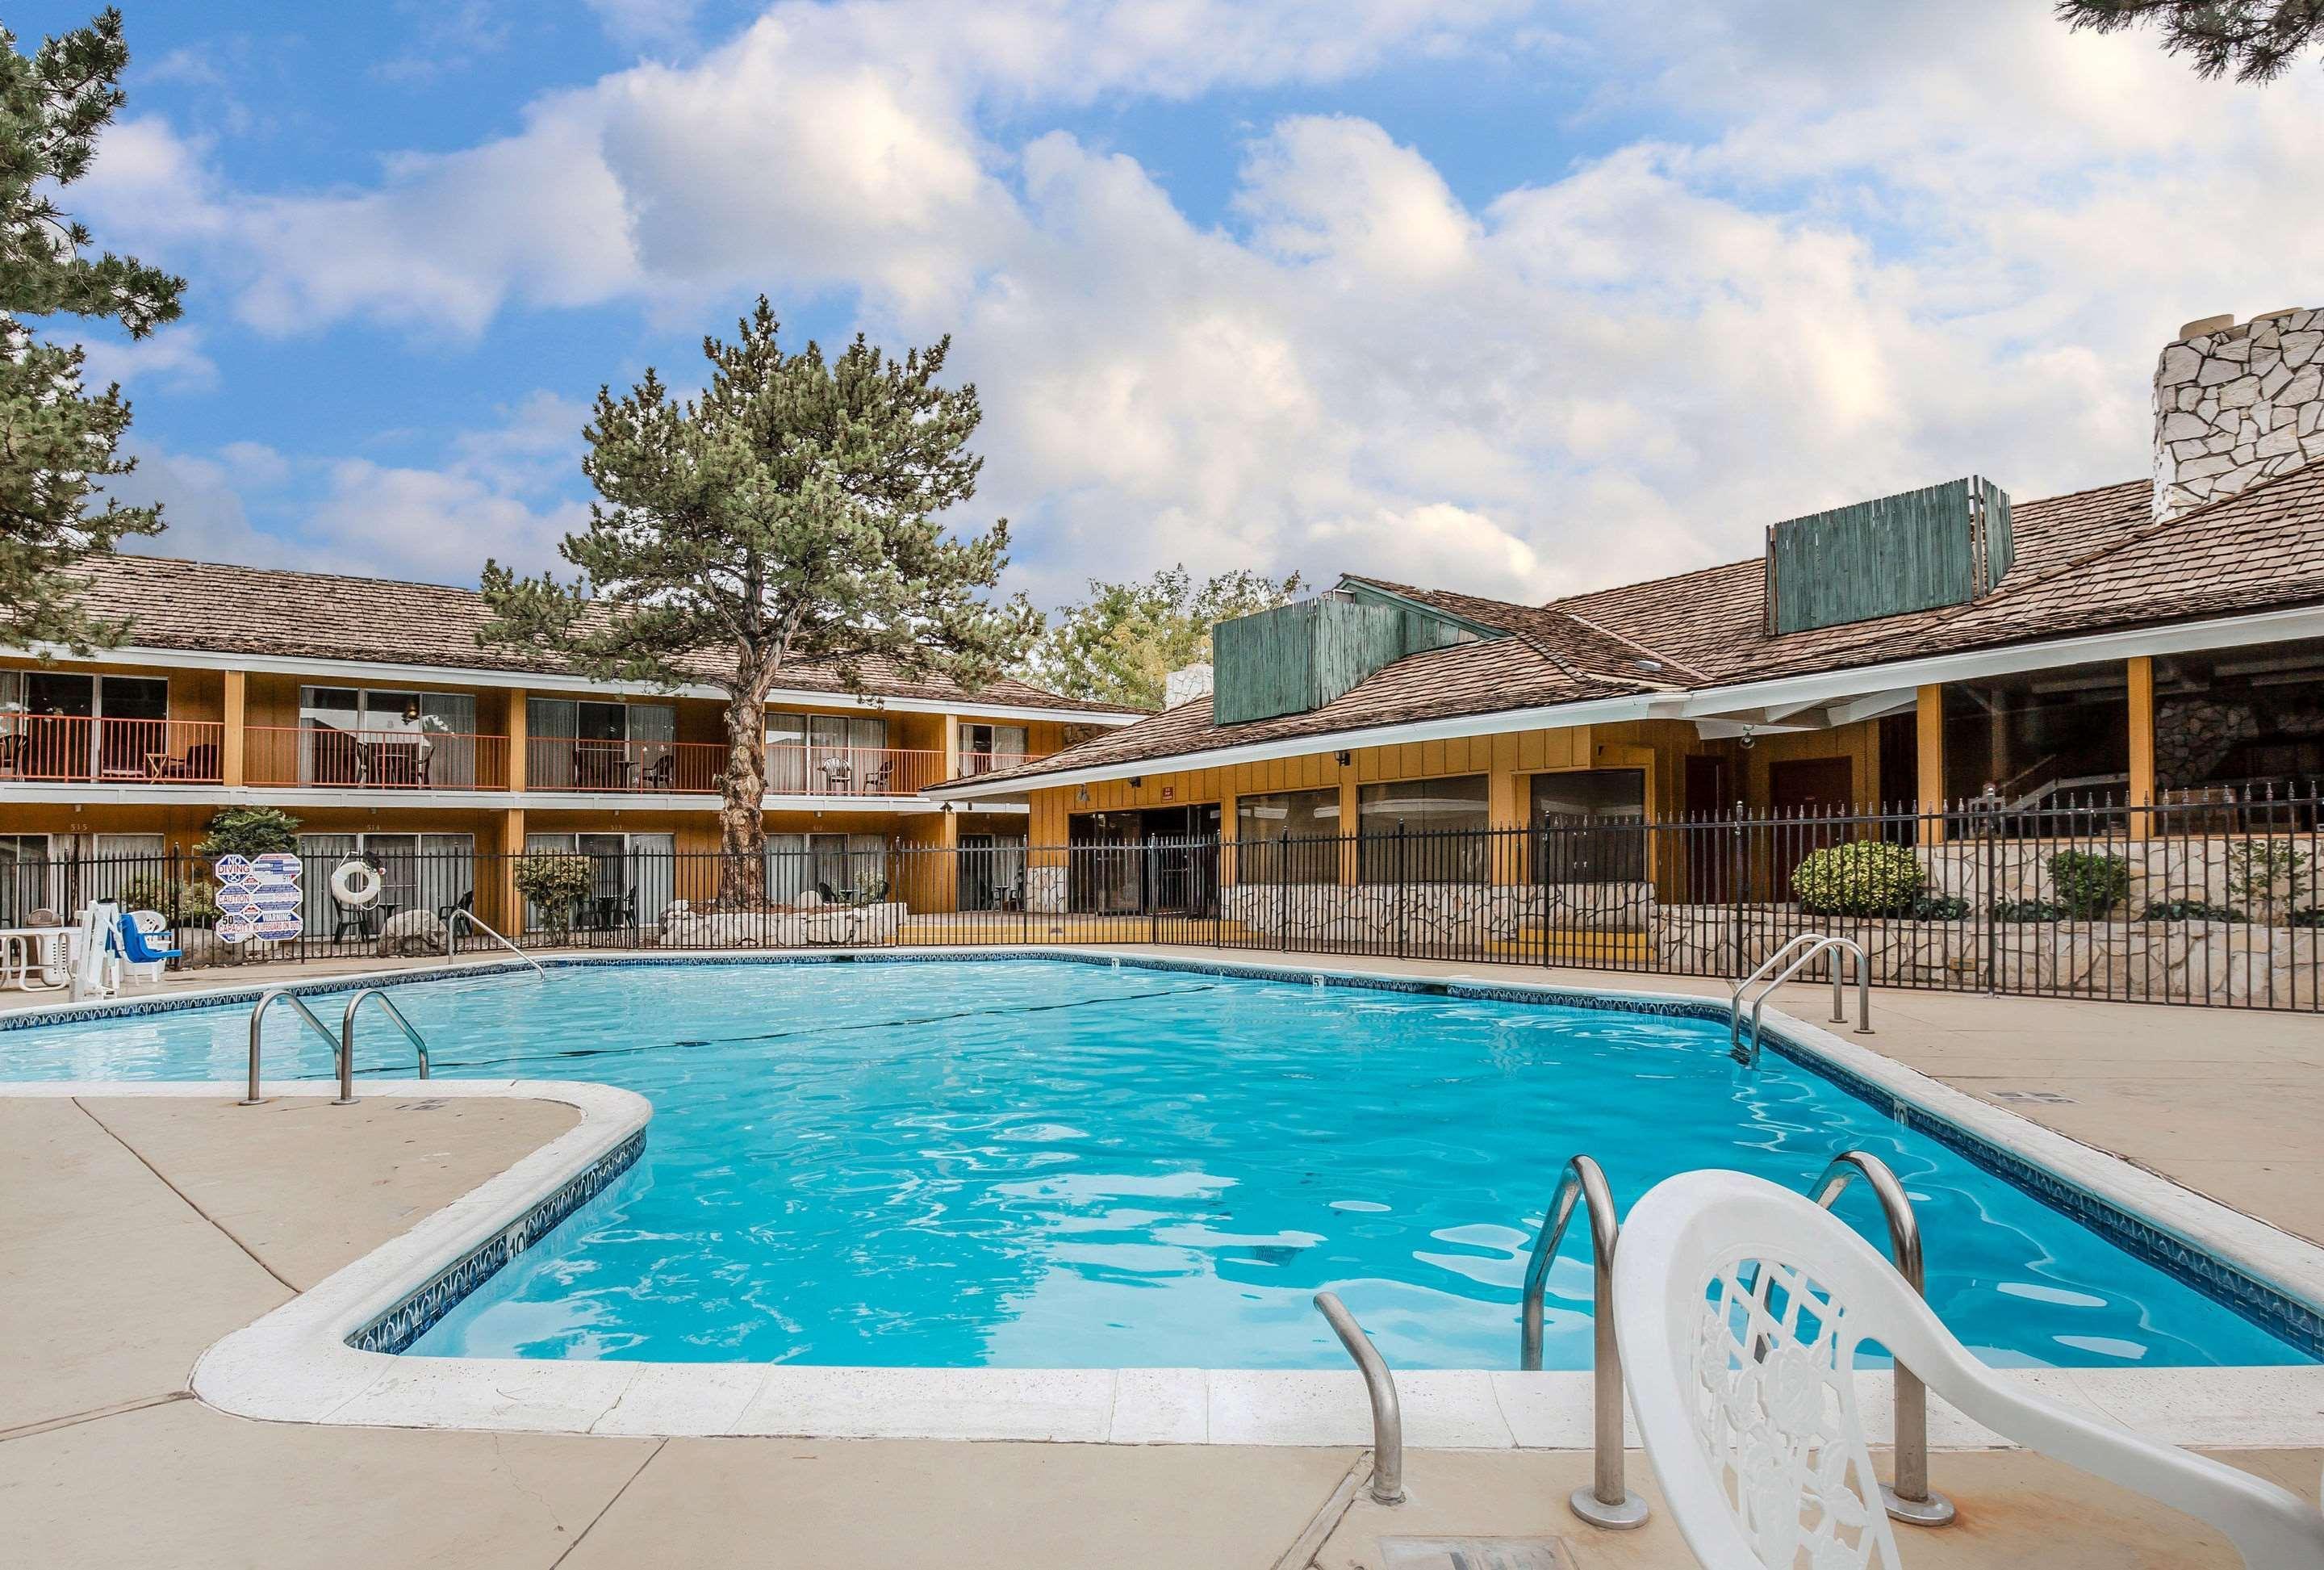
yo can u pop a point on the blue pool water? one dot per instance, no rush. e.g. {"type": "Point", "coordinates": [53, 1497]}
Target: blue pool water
{"type": "Point", "coordinates": [1043, 1164]}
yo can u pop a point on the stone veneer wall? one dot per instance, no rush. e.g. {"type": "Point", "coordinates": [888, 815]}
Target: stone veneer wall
{"type": "Point", "coordinates": [1433, 912]}
{"type": "Point", "coordinates": [2236, 405]}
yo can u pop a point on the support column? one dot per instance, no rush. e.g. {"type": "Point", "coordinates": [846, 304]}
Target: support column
{"type": "Point", "coordinates": [2142, 744]}
{"type": "Point", "coordinates": [1228, 834]}
{"type": "Point", "coordinates": [1929, 724]}
{"type": "Point", "coordinates": [506, 908]}
{"type": "Point", "coordinates": [1505, 813]}
{"type": "Point", "coordinates": [516, 742]}
{"type": "Point", "coordinates": [952, 746]}
{"type": "Point", "coordinates": [232, 769]}
{"type": "Point", "coordinates": [1350, 871]}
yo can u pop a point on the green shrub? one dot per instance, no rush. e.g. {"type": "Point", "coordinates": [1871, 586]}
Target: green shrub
{"type": "Point", "coordinates": [249, 831]}
{"type": "Point", "coordinates": [2311, 916]}
{"type": "Point", "coordinates": [2029, 911]}
{"type": "Point", "coordinates": [556, 884]}
{"type": "Point", "coordinates": [1939, 908]}
{"type": "Point", "coordinates": [2191, 910]}
{"type": "Point", "coordinates": [1864, 877]}
{"type": "Point", "coordinates": [2268, 875]}
{"type": "Point", "coordinates": [185, 903]}
{"type": "Point", "coordinates": [2088, 883]}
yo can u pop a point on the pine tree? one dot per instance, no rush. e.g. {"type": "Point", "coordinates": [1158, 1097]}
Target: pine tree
{"type": "Point", "coordinates": [2256, 39]}
{"type": "Point", "coordinates": [57, 443]}
{"type": "Point", "coordinates": [789, 513]}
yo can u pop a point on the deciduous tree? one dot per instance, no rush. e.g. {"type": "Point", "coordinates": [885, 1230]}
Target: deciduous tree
{"type": "Point", "coordinates": [789, 513]}
{"type": "Point", "coordinates": [1122, 643]}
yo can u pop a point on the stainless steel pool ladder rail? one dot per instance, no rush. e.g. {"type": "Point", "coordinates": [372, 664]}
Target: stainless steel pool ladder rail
{"type": "Point", "coordinates": [348, 1039]}
{"type": "Point", "coordinates": [452, 933]}
{"type": "Point", "coordinates": [1909, 1499]}
{"type": "Point", "coordinates": [1812, 943]}
{"type": "Point", "coordinates": [267, 1000]}
{"type": "Point", "coordinates": [1387, 1413]}
{"type": "Point", "coordinates": [1608, 1501]}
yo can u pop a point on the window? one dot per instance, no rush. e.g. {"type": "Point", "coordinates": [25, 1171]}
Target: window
{"type": "Point", "coordinates": [837, 866]}
{"type": "Point", "coordinates": [1589, 825]}
{"type": "Point", "coordinates": [828, 754]}
{"type": "Point", "coordinates": [26, 876]}
{"type": "Point", "coordinates": [984, 748]}
{"type": "Point", "coordinates": [1290, 837]}
{"type": "Point", "coordinates": [632, 878]}
{"type": "Point", "coordinates": [1424, 831]}
{"type": "Point", "coordinates": [2239, 723]}
{"type": "Point", "coordinates": [417, 872]}
{"type": "Point", "coordinates": [2045, 738]}
{"type": "Point", "coordinates": [350, 735]}
{"type": "Point", "coordinates": [575, 745]}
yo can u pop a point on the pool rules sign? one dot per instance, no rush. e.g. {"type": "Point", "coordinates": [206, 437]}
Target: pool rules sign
{"type": "Point", "coordinates": [259, 897]}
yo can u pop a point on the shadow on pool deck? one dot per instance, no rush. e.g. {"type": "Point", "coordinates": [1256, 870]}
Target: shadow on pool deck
{"type": "Point", "coordinates": [138, 1231]}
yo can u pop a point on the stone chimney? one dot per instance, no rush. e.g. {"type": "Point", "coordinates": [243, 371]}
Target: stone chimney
{"type": "Point", "coordinates": [2236, 405]}
{"type": "Point", "coordinates": [1183, 686]}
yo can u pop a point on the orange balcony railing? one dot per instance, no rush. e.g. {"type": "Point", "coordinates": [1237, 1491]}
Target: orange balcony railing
{"type": "Point", "coordinates": [660, 768]}
{"type": "Point", "coordinates": [972, 765]}
{"type": "Point", "coordinates": [374, 760]}
{"type": "Point", "coordinates": [69, 747]}
{"type": "Point", "coordinates": [698, 768]}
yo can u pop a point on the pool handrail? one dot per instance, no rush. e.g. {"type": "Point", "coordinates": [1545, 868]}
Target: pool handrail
{"type": "Point", "coordinates": [1816, 943]}
{"type": "Point", "coordinates": [1911, 1499]}
{"type": "Point", "coordinates": [267, 1000]}
{"type": "Point", "coordinates": [1379, 1384]}
{"type": "Point", "coordinates": [1608, 1501]}
{"type": "Point", "coordinates": [347, 1039]}
{"type": "Point", "coordinates": [452, 932]}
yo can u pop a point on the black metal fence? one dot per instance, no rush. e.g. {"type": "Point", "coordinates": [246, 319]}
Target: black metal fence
{"type": "Point", "coordinates": [2212, 902]}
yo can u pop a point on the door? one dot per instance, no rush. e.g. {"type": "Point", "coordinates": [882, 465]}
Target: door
{"type": "Point", "coordinates": [1709, 848]}
{"type": "Point", "coordinates": [601, 750]}
{"type": "Point", "coordinates": [60, 709]}
{"type": "Point", "coordinates": [136, 710]}
{"type": "Point", "coordinates": [1810, 799]}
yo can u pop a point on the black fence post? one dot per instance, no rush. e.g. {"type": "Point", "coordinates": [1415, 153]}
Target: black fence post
{"type": "Point", "coordinates": [1403, 880]}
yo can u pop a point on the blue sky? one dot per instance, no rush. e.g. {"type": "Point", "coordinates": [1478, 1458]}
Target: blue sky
{"type": "Point", "coordinates": [1511, 297]}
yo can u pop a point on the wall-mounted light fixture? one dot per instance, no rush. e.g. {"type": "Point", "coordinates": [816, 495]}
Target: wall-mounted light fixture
{"type": "Point", "coordinates": [1135, 781]}
{"type": "Point", "coordinates": [1081, 796]}
{"type": "Point", "coordinates": [1345, 758]}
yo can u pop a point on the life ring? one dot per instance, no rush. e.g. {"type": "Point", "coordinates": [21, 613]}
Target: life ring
{"type": "Point", "coordinates": [357, 885]}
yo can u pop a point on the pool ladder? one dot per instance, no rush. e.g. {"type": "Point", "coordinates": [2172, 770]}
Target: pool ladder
{"type": "Point", "coordinates": [342, 1045]}
{"type": "Point", "coordinates": [1608, 1501]}
{"type": "Point", "coordinates": [1806, 946]}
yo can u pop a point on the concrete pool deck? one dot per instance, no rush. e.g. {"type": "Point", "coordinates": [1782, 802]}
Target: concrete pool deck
{"type": "Point", "coordinates": [139, 1229]}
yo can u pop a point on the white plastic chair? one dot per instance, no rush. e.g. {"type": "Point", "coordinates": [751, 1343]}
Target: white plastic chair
{"type": "Point", "coordinates": [1740, 1307]}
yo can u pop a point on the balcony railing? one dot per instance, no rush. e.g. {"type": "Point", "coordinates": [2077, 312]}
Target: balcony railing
{"type": "Point", "coordinates": [972, 765]}
{"type": "Point", "coordinates": [698, 768]}
{"type": "Point", "coordinates": [329, 758]}
{"type": "Point", "coordinates": [69, 747]}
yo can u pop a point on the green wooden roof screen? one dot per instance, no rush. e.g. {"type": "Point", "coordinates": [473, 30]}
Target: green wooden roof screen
{"type": "Point", "coordinates": [1301, 656]}
{"type": "Point", "coordinates": [1944, 545]}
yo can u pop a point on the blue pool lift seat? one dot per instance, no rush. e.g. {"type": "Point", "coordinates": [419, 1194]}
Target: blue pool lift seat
{"type": "Point", "coordinates": [139, 938]}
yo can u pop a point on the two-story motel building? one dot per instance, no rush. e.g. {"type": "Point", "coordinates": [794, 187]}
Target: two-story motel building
{"type": "Point", "coordinates": [367, 709]}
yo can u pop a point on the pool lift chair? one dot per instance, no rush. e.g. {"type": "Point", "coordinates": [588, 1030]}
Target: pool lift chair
{"type": "Point", "coordinates": [1740, 1306]}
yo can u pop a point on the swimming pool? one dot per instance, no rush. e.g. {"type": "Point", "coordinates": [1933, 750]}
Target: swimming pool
{"type": "Point", "coordinates": [1034, 1163]}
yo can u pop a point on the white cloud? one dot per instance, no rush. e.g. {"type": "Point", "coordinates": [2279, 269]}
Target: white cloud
{"type": "Point", "coordinates": [1870, 247]}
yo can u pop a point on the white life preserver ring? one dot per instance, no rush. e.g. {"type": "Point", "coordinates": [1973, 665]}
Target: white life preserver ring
{"type": "Point", "coordinates": [357, 885]}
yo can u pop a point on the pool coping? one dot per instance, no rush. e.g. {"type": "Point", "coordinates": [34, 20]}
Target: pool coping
{"type": "Point", "coordinates": [301, 1362]}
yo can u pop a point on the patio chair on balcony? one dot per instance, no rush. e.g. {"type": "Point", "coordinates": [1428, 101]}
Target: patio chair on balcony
{"type": "Point", "coordinates": [875, 783]}
{"type": "Point", "coordinates": [397, 763]}
{"type": "Point", "coordinates": [660, 773]}
{"type": "Point", "coordinates": [200, 762]}
{"type": "Point", "coordinates": [14, 748]}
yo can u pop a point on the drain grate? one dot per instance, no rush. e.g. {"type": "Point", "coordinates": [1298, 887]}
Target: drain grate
{"type": "Point", "coordinates": [2048, 1097]}
{"type": "Point", "coordinates": [1476, 1554]}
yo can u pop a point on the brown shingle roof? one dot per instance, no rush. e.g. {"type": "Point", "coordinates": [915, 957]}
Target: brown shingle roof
{"type": "Point", "coordinates": [221, 609]}
{"type": "Point", "coordinates": [2090, 561]}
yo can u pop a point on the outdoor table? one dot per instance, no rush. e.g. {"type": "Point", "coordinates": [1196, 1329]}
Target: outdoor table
{"type": "Point", "coordinates": [20, 953]}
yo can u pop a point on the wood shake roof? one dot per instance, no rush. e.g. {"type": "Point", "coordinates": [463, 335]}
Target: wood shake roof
{"type": "Point", "coordinates": [214, 608]}
{"type": "Point", "coordinates": [2086, 562]}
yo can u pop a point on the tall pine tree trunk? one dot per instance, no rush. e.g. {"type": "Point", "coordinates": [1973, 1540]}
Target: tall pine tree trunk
{"type": "Point", "coordinates": [742, 831]}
